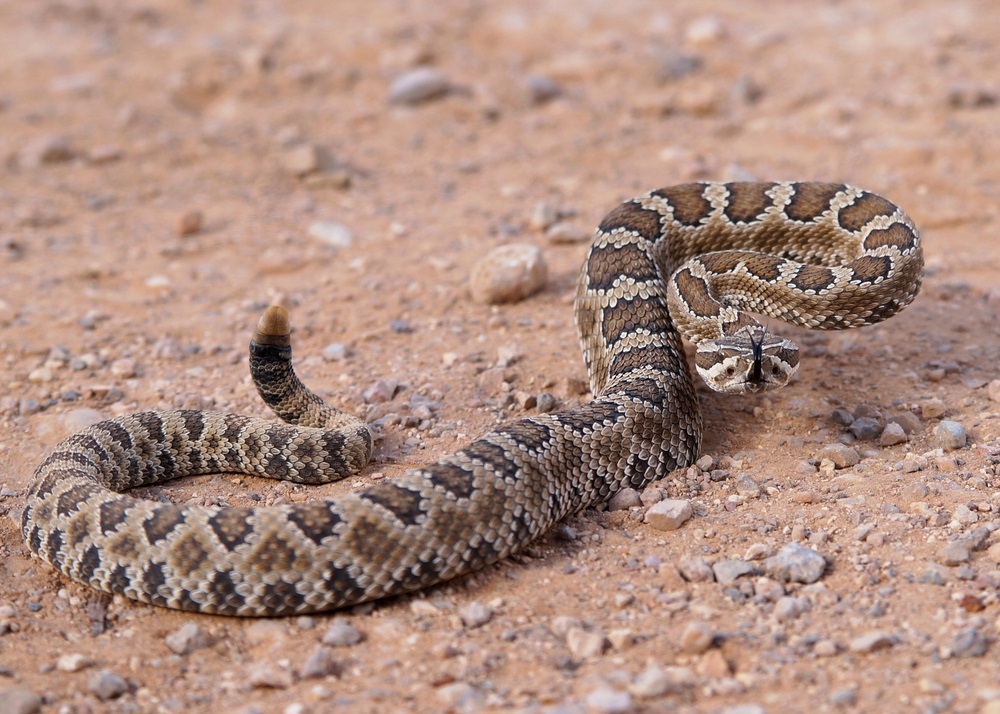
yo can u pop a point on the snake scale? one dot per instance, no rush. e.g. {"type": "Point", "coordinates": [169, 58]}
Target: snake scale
{"type": "Point", "coordinates": [695, 259]}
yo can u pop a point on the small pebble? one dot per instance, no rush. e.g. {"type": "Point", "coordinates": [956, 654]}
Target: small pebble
{"type": "Point", "coordinates": [475, 614]}
{"type": "Point", "coordinates": [795, 563]}
{"type": "Point", "coordinates": [969, 643]}
{"type": "Point", "coordinates": [321, 663]}
{"type": "Point", "coordinates": [891, 435]}
{"type": "Point", "coordinates": [331, 233]}
{"type": "Point", "coordinates": [380, 391]}
{"type": "Point", "coordinates": [993, 390]}
{"type": "Point", "coordinates": [909, 422]}
{"type": "Point", "coordinates": [933, 408]}
{"type": "Point", "coordinates": [585, 644]}
{"type": "Point", "coordinates": [669, 514]}
{"type": "Point", "coordinates": [872, 642]}
{"type": "Point", "coordinates": [789, 608]}
{"type": "Point", "coordinates": [696, 638]}
{"type": "Point", "coordinates": [508, 273]}
{"type": "Point", "coordinates": [335, 352]}
{"type": "Point", "coordinates": [190, 223]}
{"type": "Point", "coordinates": [267, 675]}
{"type": "Point", "coordinates": [625, 499]}
{"type": "Point", "coordinates": [727, 571]}
{"type": "Point", "coordinates": [419, 85]}
{"type": "Point", "coordinates": [106, 685]}
{"type": "Point", "coordinates": [954, 553]}
{"type": "Point", "coordinates": [866, 428]}
{"type": "Point", "coordinates": [844, 697]}
{"type": "Point", "coordinates": [301, 160]}
{"type": "Point", "coordinates": [605, 700]}
{"type": "Point", "coordinates": [186, 639]}
{"type": "Point", "coordinates": [747, 487]}
{"type": "Point", "coordinates": [545, 402]}
{"type": "Point", "coordinates": [342, 634]}
{"type": "Point", "coordinates": [541, 88]}
{"type": "Point", "coordinates": [73, 662]}
{"type": "Point", "coordinates": [841, 455]}
{"type": "Point", "coordinates": [949, 435]}
{"type": "Point", "coordinates": [696, 570]}
{"type": "Point", "coordinates": [461, 697]}
{"type": "Point", "coordinates": [655, 681]}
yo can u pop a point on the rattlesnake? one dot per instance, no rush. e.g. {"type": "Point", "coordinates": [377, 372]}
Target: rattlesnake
{"type": "Point", "coordinates": [692, 258]}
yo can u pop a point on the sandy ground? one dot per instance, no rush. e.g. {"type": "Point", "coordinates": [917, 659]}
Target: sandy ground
{"type": "Point", "coordinates": [163, 164]}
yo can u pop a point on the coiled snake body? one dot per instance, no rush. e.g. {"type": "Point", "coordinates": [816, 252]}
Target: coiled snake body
{"type": "Point", "coordinates": [695, 258]}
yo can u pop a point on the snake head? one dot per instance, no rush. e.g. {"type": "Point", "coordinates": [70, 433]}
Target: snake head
{"type": "Point", "coordinates": [747, 363]}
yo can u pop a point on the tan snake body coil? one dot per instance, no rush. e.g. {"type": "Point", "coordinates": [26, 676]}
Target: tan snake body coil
{"type": "Point", "coordinates": [821, 255]}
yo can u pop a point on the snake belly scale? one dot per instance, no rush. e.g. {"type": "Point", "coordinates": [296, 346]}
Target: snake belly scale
{"type": "Point", "coordinates": [694, 258]}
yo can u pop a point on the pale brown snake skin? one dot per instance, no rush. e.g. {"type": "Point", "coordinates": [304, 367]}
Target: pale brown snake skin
{"type": "Point", "coordinates": [689, 258]}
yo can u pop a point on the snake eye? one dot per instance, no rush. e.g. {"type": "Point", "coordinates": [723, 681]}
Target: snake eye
{"type": "Point", "coordinates": [776, 371]}
{"type": "Point", "coordinates": [730, 371]}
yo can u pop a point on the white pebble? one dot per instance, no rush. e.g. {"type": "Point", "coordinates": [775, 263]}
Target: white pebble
{"type": "Point", "coordinates": [73, 662]}
{"type": "Point", "coordinates": [609, 701]}
{"type": "Point", "coordinates": [186, 639]}
{"type": "Point", "coordinates": [419, 85]}
{"type": "Point", "coordinates": [796, 563]}
{"type": "Point", "coordinates": [475, 614]}
{"type": "Point", "coordinates": [342, 634]}
{"type": "Point", "coordinates": [669, 514]}
{"type": "Point", "coordinates": [331, 233]}
{"type": "Point", "coordinates": [508, 273]}
{"type": "Point", "coordinates": [950, 435]}
{"type": "Point", "coordinates": [585, 644]}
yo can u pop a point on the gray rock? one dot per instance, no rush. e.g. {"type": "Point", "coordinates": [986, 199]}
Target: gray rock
{"type": "Point", "coordinates": [625, 499]}
{"type": "Point", "coordinates": [19, 700]}
{"type": "Point", "coordinates": [789, 608]}
{"type": "Point", "coordinates": [267, 675]}
{"type": "Point", "coordinates": [747, 487]}
{"type": "Point", "coordinates": [892, 434]}
{"type": "Point", "coordinates": [727, 571]}
{"type": "Point", "coordinates": [507, 274]}
{"type": "Point", "coordinates": [541, 88]}
{"type": "Point", "coordinates": [106, 685]}
{"type": "Point", "coordinates": [342, 634]}
{"type": "Point", "coordinates": [186, 639]}
{"type": "Point", "coordinates": [949, 435]}
{"type": "Point", "coordinates": [795, 563]}
{"type": "Point", "coordinates": [669, 514]}
{"type": "Point", "coordinates": [605, 700]}
{"type": "Point", "coordinates": [866, 428]}
{"type": "Point", "coordinates": [321, 663]}
{"type": "Point", "coordinates": [461, 697]}
{"type": "Point", "coordinates": [954, 553]}
{"type": "Point", "coordinates": [655, 682]}
{"type": "Point", "coordinates": [546, 402]}
{"type": "Point", "coordinates": [969, 643]}
{"type": "Point", "coordinates": [419, 85]}
{"type": "Point", "coordinates": [872, 642]}
{"type": "Point", "coordinates": [335, 352]}
{"type": "Point", "coordinates": [909, 421]}
{"type": "Point", "coordinates": [585, 644]}
{"type": "Point", "coordinates": [475, 614]}
{"type": "Point", "coordinates": [696, 570]}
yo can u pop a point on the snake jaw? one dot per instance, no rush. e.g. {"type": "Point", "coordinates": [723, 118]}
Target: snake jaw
{"type": "Point", "coordinates": [747, 364]}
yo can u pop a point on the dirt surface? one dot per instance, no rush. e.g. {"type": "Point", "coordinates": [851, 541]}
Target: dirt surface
{"type": "Point", "coordinates": [165, 165]}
